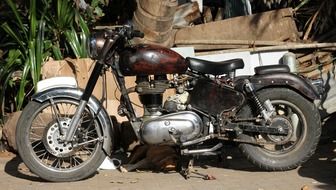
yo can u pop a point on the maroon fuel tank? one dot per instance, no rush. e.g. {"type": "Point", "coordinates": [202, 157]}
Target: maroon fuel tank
{"type": "Point", "coordinates": [146, 59]}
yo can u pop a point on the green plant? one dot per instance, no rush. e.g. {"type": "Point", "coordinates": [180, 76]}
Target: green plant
{"type": "Point", "coordinates": [79, 44]}
{"type": "Point", "coordinates": [31, 32]}
{"type": "Point", "coordinates": [7, 69]}
{"type": "Point", "coordinates": [30, 45]}
{"type": "Point", "coordinates": [66, 23]}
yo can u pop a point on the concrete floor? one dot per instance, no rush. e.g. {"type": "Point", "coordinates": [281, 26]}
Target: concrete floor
{"type": "Point", "coordinates": [235, 173]}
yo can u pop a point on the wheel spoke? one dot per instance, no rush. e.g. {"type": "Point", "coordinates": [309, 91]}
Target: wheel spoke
{"type": "Point", "coordinates": [66, 112]}
{"type": "Point", "coordinates": [41, 119]}
{"type": "Point", "coordinates": [38, 142]}
{"type": "Point", "coordinates": [88, 149]}
{"type": "Point", "coordinates": [77, 161]}
{"type": "Point", "coordinates": [40, 153]}
{"type": "Point", "coordinates": [36, 136]}
{"type": "Point", "coordinates": [38, 125]}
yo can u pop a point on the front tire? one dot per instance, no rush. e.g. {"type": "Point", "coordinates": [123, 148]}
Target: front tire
{"type": "Point", "coordinates": [38, 134]}
{"type": "Point", "coordinates": [305, 131]}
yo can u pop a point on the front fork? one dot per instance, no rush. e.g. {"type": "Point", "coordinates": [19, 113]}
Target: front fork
{"type": "Point", "coordinates": [266, 109]}
{"type": "Point", "coordinates": [89, 88]}
{"type": "Point", "coordinates": [84, 100]}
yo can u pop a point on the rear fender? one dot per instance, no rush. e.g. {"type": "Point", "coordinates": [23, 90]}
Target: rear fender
{"type": "Point", "coordinates": [288, 80]}
{"type": "Point", "coordinates": [93, 103]}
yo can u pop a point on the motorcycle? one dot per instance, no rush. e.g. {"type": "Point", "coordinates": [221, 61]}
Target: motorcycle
{"type": "Point", "coordinates": [65, 133]}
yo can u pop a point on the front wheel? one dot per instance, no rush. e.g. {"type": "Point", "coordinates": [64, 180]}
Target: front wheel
{"type": "Point", "coordinates": [284, 152]}
{"type": "Point", "coordinates": [38, 137]}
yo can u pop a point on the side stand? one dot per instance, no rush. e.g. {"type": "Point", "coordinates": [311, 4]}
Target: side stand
{"type": "Point", "coordinates": [186, 172]}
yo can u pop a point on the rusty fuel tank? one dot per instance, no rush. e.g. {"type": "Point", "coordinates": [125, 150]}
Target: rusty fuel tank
{"type": "Point", "coordinates": [146, 59]}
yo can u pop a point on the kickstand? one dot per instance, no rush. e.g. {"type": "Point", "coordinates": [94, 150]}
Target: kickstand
{"type": "Point", "coordinates": [185, 172]}
{"type": "Point", "coordinates": [190, 170]}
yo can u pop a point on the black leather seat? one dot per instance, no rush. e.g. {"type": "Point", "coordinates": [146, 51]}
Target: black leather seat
{"type": "Point", "coordinates": [214, 68]}
{"type": "Point", "coordinates": [271, 69]}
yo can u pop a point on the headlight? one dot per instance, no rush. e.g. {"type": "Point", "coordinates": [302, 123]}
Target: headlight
{"type": "Point", "coordinates": [96, 43]}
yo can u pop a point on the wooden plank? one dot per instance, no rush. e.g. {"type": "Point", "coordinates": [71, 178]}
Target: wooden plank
{"type": "Point", "coordinates": [289, 46]}
{"type": "Point", "coordinates": [275, 25]}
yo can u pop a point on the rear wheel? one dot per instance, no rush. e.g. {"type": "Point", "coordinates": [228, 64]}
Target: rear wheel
{"type": "Point", "coordinates": [284, 152]}
{"type": "Point", "coordinates": [39, 143]}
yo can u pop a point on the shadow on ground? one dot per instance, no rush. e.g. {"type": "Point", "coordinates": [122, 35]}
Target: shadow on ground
{"type": "Point", "coordinates": [322, 165]}
{"type": "Point", "coordinates": [16, 168]}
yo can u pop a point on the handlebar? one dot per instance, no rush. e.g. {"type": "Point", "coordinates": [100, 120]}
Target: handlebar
{"type": "Point", "coordinates": [137, 33]}
{"type": "Point", "coordinates": [128, 32]}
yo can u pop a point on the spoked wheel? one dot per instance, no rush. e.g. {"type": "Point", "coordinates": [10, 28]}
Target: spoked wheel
{"type": "Point", "coordinates": [40, 133]}
{"type": "Point", "coordinates": [279, 152]}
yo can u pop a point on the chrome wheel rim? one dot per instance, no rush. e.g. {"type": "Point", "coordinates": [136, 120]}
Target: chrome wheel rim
{"type": "Point", "coordinates": [46, 142]}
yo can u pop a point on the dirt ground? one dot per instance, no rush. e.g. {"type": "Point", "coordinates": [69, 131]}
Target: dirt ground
{"type": "Point", "coordinates": [235, 172]}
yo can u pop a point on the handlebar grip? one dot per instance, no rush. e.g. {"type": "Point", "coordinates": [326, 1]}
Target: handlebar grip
{"type": "Point", "coordinates": [137, 33]}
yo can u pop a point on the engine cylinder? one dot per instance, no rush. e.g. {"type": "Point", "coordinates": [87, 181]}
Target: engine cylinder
{"type": "Point", "coordinates": [150, 90]}
{"type": "Point", "coordinates": [151, 102]}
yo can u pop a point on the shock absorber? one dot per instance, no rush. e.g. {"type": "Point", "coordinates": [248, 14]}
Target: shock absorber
{"type": "Point", "coordinates": [249, 88]}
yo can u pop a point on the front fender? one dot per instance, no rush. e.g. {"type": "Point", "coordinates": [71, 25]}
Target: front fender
{"type": "Point", "coordinates": [288, 80]}
{"type": "Point", "coordinates": [93, 103]}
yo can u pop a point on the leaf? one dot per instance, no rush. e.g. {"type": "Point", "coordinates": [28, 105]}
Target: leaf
{"type": "Point", "coordinates": [39, 50]}
{"type": "Point", "coordinates": [32, 18]}
{"type": "Point", "coordinates": [301, 4]}
{"type": "Point", "coordinates": [57, 52]}
{"type": "Point", "coordinates": [85, 35]}
{"type": "Point", "coordinates": [6, 71]}
{"type": "Point", "coordinates": [21, 94]}
{"type": "Point", "coordinates": [59, 8]}
{"type": "Point", "coordinates": [65, 14]}
{"type": "Point", "coordinates": [12, 58]}
{"type": "Point", "coordinates": [10, 32]}
{"type": "Point", "coordinates": [84, 26]}
{"type": "Point", "coordinates": [98, 11]}
{"type": "Point", "coordinates": [95, 3]}
{"type": "Point", "coordinates": [32, 61]}
{"type": "Point", "coordinates": [72, 39]}
{"type": "Point", "coordinates": [3, 91]}
{"type": "Point", "coordinates": [83, 46]}
{"type": "Point", "coordinates": [17, 16]}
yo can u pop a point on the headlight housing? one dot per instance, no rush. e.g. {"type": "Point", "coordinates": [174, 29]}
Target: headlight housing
{"type": "Point", "coordinates": [97, 41]}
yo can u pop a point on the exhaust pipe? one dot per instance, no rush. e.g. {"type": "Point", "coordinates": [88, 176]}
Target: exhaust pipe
{"type": "Point", "coordinates": [200, 151]}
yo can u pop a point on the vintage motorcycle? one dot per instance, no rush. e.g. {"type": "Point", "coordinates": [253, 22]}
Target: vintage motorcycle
{"type": "Point", "coordinates": [65, 133]}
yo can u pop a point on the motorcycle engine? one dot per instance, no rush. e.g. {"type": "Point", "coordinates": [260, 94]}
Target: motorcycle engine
{"type": "Point", "coordinates": [170, 123]}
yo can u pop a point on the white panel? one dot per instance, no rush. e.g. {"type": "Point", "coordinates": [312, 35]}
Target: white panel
{"type": "Point", "coordinates": [56, 82]}
{"type": "Point", "coordinates": [185, 51]}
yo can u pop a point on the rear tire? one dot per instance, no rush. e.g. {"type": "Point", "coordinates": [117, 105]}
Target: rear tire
{"type": "Point", "coordinates": [40, 149]}
{"type": "Point", "coordinates": [307, 127]}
